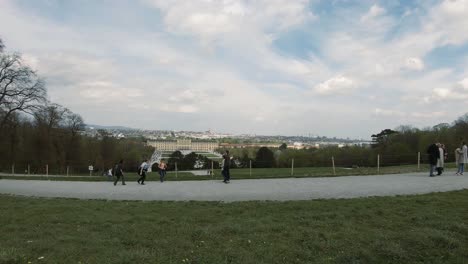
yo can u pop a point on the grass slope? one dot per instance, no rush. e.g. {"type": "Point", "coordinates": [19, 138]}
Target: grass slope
{"type": "Point", "coordinates": [408, 229]}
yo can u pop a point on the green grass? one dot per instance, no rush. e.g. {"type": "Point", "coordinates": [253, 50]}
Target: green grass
{"type": "Point", "coordinates": [257, 173]}
{"type": "Point", "coordinates": [406, 229]}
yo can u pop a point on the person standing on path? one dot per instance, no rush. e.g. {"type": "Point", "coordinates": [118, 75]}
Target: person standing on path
{"type": "Point", "coordinates": [118, 172]}
{"type": "Point", "coordinates": [433, 152]}
{"type": "Point", "coordinates": [440, 159]}
{"type": "Point", "coordinates": [143, 169]}
{"type": "Point", "coordinates": [226, 166]}
{"type": "Point", "coordinates": [445, 152]}
{"type": "Point", "coordinates": [109, 174]}
{"type": "Point", "coordinates": [162, 170]}
{"type": "Point", "coordinates": [458, 158]}
{"type": "Point", "coordinates": [463, 158]}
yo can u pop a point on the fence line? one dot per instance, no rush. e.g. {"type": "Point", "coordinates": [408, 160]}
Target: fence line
{"type": "Point", "coordinates": [368, 161]}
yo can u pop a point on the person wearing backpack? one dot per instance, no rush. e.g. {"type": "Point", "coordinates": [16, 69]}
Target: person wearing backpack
{"type": "Point", "coordinates": [142, 170]}
{"type": "Point", "coordinates": [118, 172]}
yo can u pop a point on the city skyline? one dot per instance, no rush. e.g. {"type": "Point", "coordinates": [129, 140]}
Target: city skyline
{"type": "Point", "coordinates": [330, 68]}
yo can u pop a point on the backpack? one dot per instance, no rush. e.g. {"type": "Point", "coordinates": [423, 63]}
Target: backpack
{"type": "Point", "coordinates": [115, 170]}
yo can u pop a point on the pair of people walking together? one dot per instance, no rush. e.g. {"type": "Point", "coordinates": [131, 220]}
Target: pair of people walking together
{"type": "Point", "coordinates": [437, 154]}
{"type": "Point", "coordinates": [143, 170]}
{"type": "Point", "coordinates": [461, 157]}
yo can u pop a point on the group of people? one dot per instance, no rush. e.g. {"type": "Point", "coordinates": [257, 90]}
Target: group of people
{"type": "Point", "coordinates": [438, 154]}
{"type": "Point", "coordinates": [142, 171]}
{"type": "Point", "coordinates": [461, 157]}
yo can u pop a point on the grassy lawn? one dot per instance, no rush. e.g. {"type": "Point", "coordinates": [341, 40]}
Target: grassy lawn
{"type": "Point", "coordinates": [257, 173]}
{"type": "Point", "coordinates": [429, 228]}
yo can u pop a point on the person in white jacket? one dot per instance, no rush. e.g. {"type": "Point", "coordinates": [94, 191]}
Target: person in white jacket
{"type": "Point", "coordinates": [463, 157]}
{"type": "Point", "coordinates": [440, 160]}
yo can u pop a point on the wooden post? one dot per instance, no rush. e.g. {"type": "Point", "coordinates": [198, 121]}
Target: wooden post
{"type": "Point", "coordinates": [333, 164]}
{"type": "Point", "coordinates": [68, 170]}
{"type": "Point", "coordinates": [250, 168]}
{"type": "Point", "coordinates": [419, 160]}
{"type": "Point", "coordinates": [47, 169]}
{"type": "Point", "coordinates": [378, 163]}
{"type": "Point", "coordinates": [29, 169]}
{"type": "Point", "coordinates": [292, 167]}
{"type": "Point", "coordinates": [176, 170]}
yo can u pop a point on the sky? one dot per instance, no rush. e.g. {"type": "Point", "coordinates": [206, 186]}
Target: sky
{"type": "Point", "coordinates": [271, 67]}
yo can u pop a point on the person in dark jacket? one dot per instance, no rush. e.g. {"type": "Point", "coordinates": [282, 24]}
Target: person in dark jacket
{"type": "Point", "coordinates": [118, 172]}
{"type": "Point", "coordinates": [433, 153]}
{"type": "Point", "coordinates": [226, 165]}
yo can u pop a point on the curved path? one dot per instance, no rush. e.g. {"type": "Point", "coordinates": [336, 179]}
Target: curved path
{"type": "Point", "coordinates": [243, 190]}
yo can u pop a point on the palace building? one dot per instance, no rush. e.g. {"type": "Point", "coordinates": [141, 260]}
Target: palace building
{"type": "Point", "coordinates": [184, 144]}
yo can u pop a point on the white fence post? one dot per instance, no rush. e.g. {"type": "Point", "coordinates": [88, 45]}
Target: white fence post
{"type": "Point", "coordinates": [333, 163]}
{"type": "Point", "coordinates": [47, 169]}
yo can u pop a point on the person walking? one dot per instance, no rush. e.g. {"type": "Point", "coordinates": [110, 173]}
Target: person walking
{"type": "Point", "coordinates": [433, 153]}
{"type": "Point", "coordinates": [463, 158]}
{"type": "Point", "coordinates": [143, 169]}
{"type": "Point", "coordinates": [458, 158]}
{"type": "Point", "coordinates": [440, 159]}
{"type": "Point", "coordinates": [162, 170]}
{"type": "Point", "coordinates": [226, 166]}
{"type": "Point", "coordinates": [118, 172]}
{"type": "Point", "coordinates": [445, 152]}
{"type": "Point", "coordinates": [109, 174]}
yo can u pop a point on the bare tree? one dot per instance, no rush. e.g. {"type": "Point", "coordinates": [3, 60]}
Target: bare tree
{"type": "Point", "coordinates": [73, 122]}
{"type": "Point", "coordinates": [50, 116]}
{"type": "Point", "coordinates": [2, 46]}
{"type": "Point", "coordinates": [21, 90]}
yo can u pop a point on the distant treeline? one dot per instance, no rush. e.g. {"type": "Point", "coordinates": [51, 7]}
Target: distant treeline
{"type": "Point", "coordinates": [52, 138]}
{"type": "Point", "coordinates": [395, 147]}
{"type": "Point", "coordinates": [39, 135]}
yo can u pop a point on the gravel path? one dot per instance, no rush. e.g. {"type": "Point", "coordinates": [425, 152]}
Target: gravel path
{"type": "Point", "coordinates": [243, 190]}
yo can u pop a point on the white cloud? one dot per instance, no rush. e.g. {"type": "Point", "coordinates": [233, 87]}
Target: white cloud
{"type": "Point", "coordinates": [219, 64]}
{"type": "Point", "coordinates": [107, 92]}
{"type": "Point", "coordinates": [463, 84]}
{"type": "Point", "coordinates": [388, 113]}
{"type": "Point", "coordinates": [415, 64]}
{"type": "Point", "coordinates": [213, 19]}
{"type": "Point", "coordinates": [455, 93]}
{"type": "Point", "coordinates": [373, 12]}
{"type": "Point", "coordinates": [30, 60]}
{"type": "Point", "coordinates": [178, 108]}
{"type": "Point", "coordinates": [336, 85]}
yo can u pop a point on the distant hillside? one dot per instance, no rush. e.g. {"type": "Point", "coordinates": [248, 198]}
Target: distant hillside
{"type": "Point", "coordinates": [89, 126]}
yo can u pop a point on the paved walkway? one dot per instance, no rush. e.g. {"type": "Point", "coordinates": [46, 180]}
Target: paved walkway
{"type": "Point", "coordinates": [243, 190]}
